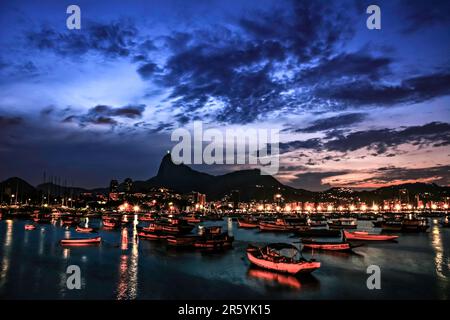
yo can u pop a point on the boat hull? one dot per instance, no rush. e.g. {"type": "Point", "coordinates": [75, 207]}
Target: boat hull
{"type": "Point", "coordinates": [329, 246]}
{"type": "Point", "coordinates": [81, 242]}
{"type": "Point", "coordinates": [290, 268]}
{"type": "Point", "coordinates": [362, 236]}
{"type": "Point", "coordinates": [246, 224]}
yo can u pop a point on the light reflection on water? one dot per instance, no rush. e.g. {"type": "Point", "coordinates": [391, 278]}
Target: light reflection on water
{"type": "Point", "coordinates": [33, 265]}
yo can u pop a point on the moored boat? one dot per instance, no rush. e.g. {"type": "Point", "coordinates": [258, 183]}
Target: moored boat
{"type": "Point", "coordinates": [172, 226]}
{"type": "Point", "coordinates": [80, 241]}
{"type": "Point", "coordinates": [213, 238]}
{"type": "Point", "coordinates": [343, 223]}
{"type": "Point", "coordinates": [84, 229]}
{"type": "Point", "coordinates": [309, 244]}
{"type": "Point", "coordinates": [247, 223]}
{"type": "Point", "coordinates": [272, 257]}
{"type": "Point", "coordinates": [30, 227]}
{"type": "Point", "coordinates": [415, 225]}
{"type": "Point", "coordinates": [153, 235]}
{"type": "Point", "coordinates": [365, 236]}
{"type": "Point", "coordinates": [391, 225]}
{"type": "Point", "coordinates": [182, 240]}
{"type": "Point", "coordinates": [284, 225]}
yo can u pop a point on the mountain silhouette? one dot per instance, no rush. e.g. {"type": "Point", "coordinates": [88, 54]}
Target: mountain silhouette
{"type": "Point", "coordinates": [249, 184]}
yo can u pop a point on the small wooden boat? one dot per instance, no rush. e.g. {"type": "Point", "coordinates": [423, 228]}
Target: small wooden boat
{"type": "Point", "coordinates": [111, 223]}
{"type": "Point", "coordinates": [30, 227]}
{"type": "Point", "coordinates": [415, 225]}
{"type": "Point", "coordinates": [182, 240]}
{"type": "Point", "coordinates": [213, 238]}
{"type": "Point", "coordinates": [309, 244]}
{"type": "Point", "coordinates": [325, 233]}
{"type": "Point", "coordinates": [365, 236]}
{"type": "Point", "coordinates": [284, 225]}
{"type": "Point", "coordinates": [343, 223]}
{"type": "Point", "coordinates": [152, 235]}
{"type": "Point", "coordinates": [247, 223]}
{"type": "Point", "coordinates": [172, 226]}
{"type": "Point", "coordinates": [84, 229]}
{"type": "Point", "coordinates": [191, 218]}
{"type": "Point", "coordinates": [80, 241]}
{"type": "Point", "coordinates": [147, 217]}
{"type": "Point", "coordinates": [271, 257]}
{"type": "Point", "coordinates": [391, 225]}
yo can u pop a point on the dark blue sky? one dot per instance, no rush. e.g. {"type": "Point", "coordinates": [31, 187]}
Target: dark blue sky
{"type": "Point", "coordinates": [358, 107]}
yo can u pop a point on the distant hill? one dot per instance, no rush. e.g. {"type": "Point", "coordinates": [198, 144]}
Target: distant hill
{"type": "Point", "coordinates": [250, 184]}
{"type": "Point", "coordinates": [16, 185]}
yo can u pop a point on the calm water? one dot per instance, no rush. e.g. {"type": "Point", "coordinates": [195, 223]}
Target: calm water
{"type": "Point", "coordinates": [33, 266]}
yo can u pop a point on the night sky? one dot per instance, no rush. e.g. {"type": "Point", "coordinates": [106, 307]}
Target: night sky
{"type": "Point", "coordinates": [358, 108]}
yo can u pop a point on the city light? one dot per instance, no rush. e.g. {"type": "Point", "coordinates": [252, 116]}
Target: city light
{"type": "Point", "coordinates": [375, 207]}
{"type": "Point", "coordinates": [287, 209]}
{"type": "Point", "coordinates": [363, 207]}
{"type": "Point", "coordinates": [445, 206]}
{"type": "Point", "coordinates": [434, 206]}
{"type": "Point", "coordinates": [397, 207]}
{"type": "Point", "coordinates": [352, 208]}
{"type": "Point", "coordinates": [330, 208]}
{"type": "Point", "coordinates": [260, 207]}
{"type": "Point", "coordinates": [136, 208]}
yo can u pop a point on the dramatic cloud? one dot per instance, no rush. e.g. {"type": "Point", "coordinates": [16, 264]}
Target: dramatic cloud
{"type": "Point", "coordinates": [412, 90]}
{"type": "Point", "coordinates": [114, 39]}
{"type": "Point", "coordinates": [380, 140]}
{"type": "Point", "coordinates": [398, 175]}
{"type": "Point", "coordinates": [104, 115]}
{"type": "Point", "coordinates": [313, 180]}
{"type": "Point", "coordinates": [239, 71]}
{"type": "Point", "coordinates": [421, 14]}
{"type": "Point", "coordinates": [340, 121]}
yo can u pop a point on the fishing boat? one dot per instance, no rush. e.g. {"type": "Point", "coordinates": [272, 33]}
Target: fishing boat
{"type": "Point", "coordinates": [153, 235]}
{"type": "Point", "coordinates": [365, 236]}
{"type": "Point", "coordinates": [343, 223]}
{"type": "Point", "coordinates": [172, 226]}
{"type": "Point", "coordinates": [391, 225]}
{"type": "Point", "coordinates": [317, 221]}
{"type": "Point", "coordinates": [41, 217]}
{"type": "Point", "coordinates": [191, 218]}
{"type": "Point", "coordinates": [415, 225]}
{"type": "Point", "coordinates": [284, 225]}
{"type": "Point", "coordinates": [317, 233]}
{"type": "Point", "coordinates": [84, 229]}
{"type": "Point", "coordinates": [110, 222]}
{"type": "Point", "coordinates": [213, 238]}
{"type": "Point", "coordinates": [273, 257]}
{"type": "Point", "coordinates": [182, 240]}
{"type": "Point", "coordinates": [30, 227]}
{"type": "Point", "coordinates": [247, 223]}
{"type": "Point", "coordinates": [80, 241]}
{"type": "Point", "coordinates": [309, 244]}
{"type": "Point", "coordinates": [69, 221]}
{"type": "Point", "coordinates": [147, 217]}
